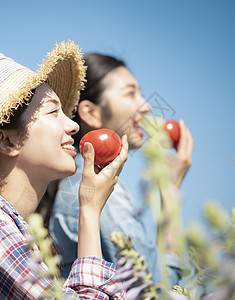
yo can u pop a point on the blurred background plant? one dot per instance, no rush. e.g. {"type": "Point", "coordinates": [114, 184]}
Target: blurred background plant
{"type": "Point", "coordinates": [209, 253]}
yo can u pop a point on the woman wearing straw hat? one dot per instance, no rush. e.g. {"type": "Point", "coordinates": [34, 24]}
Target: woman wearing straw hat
{"type": "Point", "coordinates": [36, 148]}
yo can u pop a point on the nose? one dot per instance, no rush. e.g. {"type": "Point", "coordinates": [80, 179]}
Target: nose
{"type": "Point", "coordinates": [70, 126]}
{"type": "Point", "coordinates": [145, 106]}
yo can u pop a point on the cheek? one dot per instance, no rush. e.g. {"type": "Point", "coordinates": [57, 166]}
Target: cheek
{"type": "Point", "coordinates": [47, 134]}
{"type": "Point", "coordinates": [122, 111]}
{"type": "Point", "coordinates": [124, 125]}
{"type": "Point", "coordinates": [124, 122]}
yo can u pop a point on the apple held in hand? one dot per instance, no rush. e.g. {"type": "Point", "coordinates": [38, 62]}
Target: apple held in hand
{"type": "Point", "coordinates": [173, 129]}
{"type": "Point", "coordinates": [106, 143]}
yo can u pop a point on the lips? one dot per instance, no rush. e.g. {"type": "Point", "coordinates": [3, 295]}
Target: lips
{"type": "Point", "coordinates": [69, 148]}
{"type": "Point", "coordinates": [137, 127]}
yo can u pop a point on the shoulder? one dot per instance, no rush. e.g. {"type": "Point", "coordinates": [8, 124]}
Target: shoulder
{"type": "Point", "coordinates": [12, 241]}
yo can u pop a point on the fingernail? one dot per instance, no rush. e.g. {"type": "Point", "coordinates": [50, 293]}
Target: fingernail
{"type": "Point", "coordinates": [125, 137]}
{"type": "Point", "coordinates": [87, 147]}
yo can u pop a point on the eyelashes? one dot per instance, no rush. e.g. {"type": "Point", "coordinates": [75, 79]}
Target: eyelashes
{"type": "Point", "coordinates": [131, 93]}
{"type": "Point", "coordinates": [55, 111]}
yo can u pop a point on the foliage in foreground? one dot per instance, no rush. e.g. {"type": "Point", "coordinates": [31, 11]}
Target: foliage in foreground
{"type": "Point", "coordinates": [211, 256]}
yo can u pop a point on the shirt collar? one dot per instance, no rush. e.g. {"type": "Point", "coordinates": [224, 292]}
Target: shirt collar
{"type": "Point", "coordinates": [9, 208]}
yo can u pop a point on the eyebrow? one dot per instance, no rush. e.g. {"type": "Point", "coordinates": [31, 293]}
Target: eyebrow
{"type": "Point", "coordinates": [53, 101]}
{"type": "Point", "coordinates": [130, 85]}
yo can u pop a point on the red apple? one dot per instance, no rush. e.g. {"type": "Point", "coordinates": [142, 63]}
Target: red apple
{"type": "Point", "coordinates": [172, 127]}
{"type": "Point", "coordinates": [106, 143]}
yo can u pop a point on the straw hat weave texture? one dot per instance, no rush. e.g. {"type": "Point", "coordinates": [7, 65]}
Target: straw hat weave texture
{"type": "Point", "coordinates": [63, 70]}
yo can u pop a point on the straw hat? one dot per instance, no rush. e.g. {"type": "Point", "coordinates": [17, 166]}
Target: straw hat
{"type": "Point", "coordinates": [63, 70]}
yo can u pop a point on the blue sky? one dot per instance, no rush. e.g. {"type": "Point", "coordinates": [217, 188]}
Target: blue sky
{"type": "Point", "coordinates": [183, 50]}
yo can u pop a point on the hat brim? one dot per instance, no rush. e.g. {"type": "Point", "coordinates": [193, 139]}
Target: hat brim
{"type": "Point", "coordinates": [63, 70]}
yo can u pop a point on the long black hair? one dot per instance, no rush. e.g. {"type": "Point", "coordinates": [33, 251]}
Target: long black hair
{"type": "Point", "coordinates": [98, 67]}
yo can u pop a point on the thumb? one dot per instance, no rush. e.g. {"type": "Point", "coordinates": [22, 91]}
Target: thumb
{"type": "Point", "coordinates": [88, 155]}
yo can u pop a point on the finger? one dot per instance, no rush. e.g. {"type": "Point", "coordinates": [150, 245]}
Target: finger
{"type": "Point", "coordinates": [116, 165]}
{"type": "Point", "coordinates": [189, 144]}
{"type": "Point", "coordinates": [125, 146]}
{"type": "Point", "coordinates": [119, 170]}
{"type": "Point", "coordinates": [88, 155]}
{"type": "Point", "coordinates": [185, 148]}
{"type": "Point", "coordinates": [119, 161]}
{"type": "Point", "coordinates": [182, 146]}
{"type": "Point", "coordinates": [187, 139]}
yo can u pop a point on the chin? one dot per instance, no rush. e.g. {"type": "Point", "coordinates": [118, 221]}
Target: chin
{"type": "Point", "coordinates": [71, 172]}
{"type": "Point", "coordinates": [68, 171]}
{"type": "Point", "coordinates": [135, 141]}
{"type": "Point", "coordinates": [135, 145]}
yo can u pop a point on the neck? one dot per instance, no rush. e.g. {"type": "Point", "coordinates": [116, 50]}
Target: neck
{"type": "Point", "coordinates": [28, 194]}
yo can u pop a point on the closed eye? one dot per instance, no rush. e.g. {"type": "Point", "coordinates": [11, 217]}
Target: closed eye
{"type": "Point", "coordinates": [131, 93]}
{"type": "Point", "coordinates": [55, 111]}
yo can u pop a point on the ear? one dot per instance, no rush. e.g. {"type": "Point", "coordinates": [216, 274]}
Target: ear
{"type": "Point", "coordinates": [9, 143]}
{"type": "Point", "coordinates": [90, 113]}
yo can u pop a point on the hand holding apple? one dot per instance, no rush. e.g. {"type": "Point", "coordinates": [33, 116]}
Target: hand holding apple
{"type": "Point", "coordinates": [181, 161]}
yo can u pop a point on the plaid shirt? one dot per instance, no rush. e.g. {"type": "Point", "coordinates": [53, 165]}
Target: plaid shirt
{"type": "Point", "coordinates": [90, 277]}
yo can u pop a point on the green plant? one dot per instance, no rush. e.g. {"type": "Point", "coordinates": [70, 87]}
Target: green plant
{"type": "Point", "coordinates": [38, 235]}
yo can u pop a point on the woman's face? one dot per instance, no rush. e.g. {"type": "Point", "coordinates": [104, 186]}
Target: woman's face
{"type": "Point", "coordinates": [126, 104]}
{"type": "Point", "coordinates": [46, 151]}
